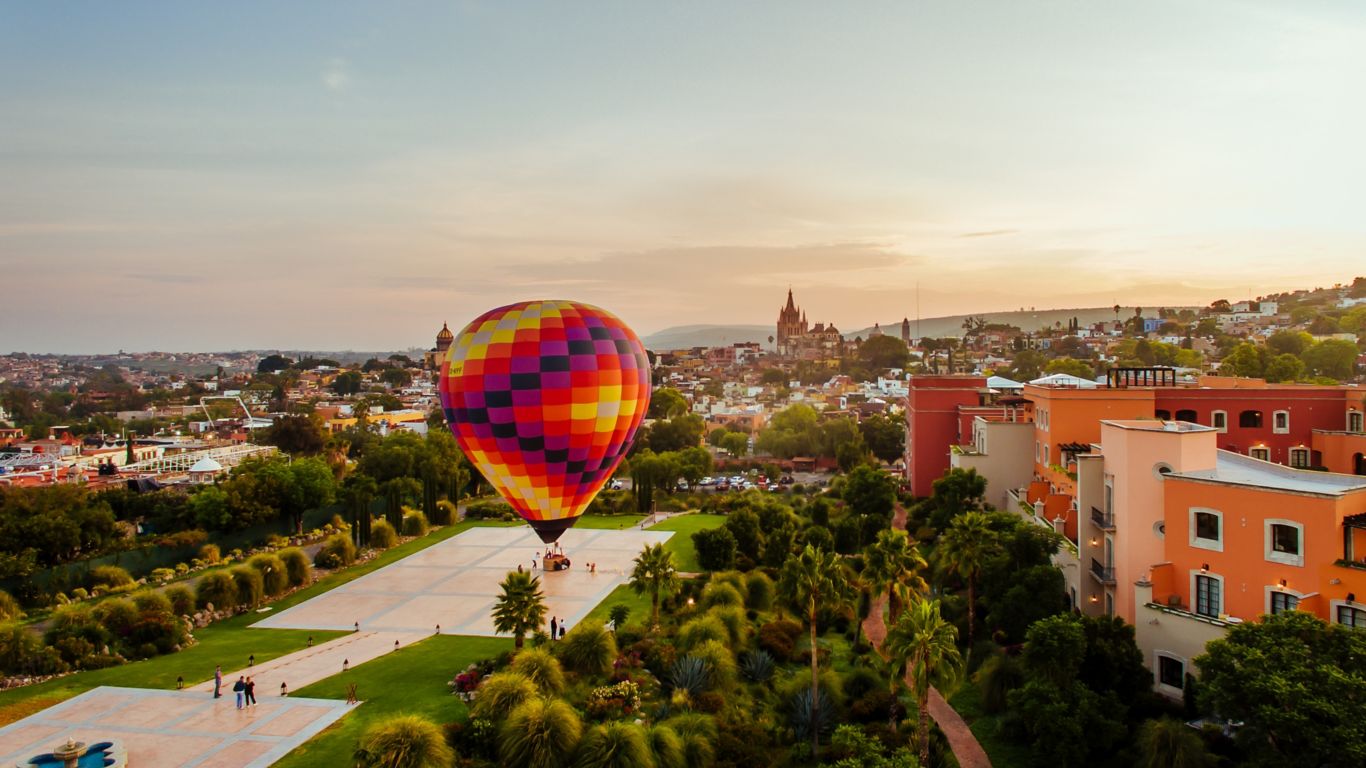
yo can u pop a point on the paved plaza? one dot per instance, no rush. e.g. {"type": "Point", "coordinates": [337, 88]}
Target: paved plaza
{"type": "Point", "coordinates": [174, 728]}
{"type": "Point", "coordinates": [454, 583]}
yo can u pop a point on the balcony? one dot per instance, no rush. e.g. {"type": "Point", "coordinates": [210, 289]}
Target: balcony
{"type": "Point", "coordinates": [1102, 574]}
{"type": "Point", "coordinates": [1103, 521]}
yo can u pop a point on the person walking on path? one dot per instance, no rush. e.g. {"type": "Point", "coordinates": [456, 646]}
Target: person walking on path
{"type": "Point", "coordinates": [218, 682]}
{"type": "Point", "coordinates": [251, 692]}
{"type": "Point", "coordinates": [239, 688]}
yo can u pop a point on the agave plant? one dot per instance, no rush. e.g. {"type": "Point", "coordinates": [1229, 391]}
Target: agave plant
{"type": "Point", "coordinates": [689, 674]}
{"type": "Point", "coordinates": [756, 666]}
{"type": "Point", "coordinates": [808, 719]}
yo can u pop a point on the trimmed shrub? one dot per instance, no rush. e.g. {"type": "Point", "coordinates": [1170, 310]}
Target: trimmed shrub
{"type": "Point", "coordinates": [250, 587]}
{"type": "Point", "coordinates": [297, 567]}
{"type": "Point", "coordinates": [118, 615]}
{"type": "Point", "coordinates": [444, 514]}
{"type": "Point", "coordinates": [415, 523]}
{"type": "Point", "coordinates": [211, 554]}
{"type": "Point", "coordinates": [382, 535]}
{"type": "Point", "coordinates": [337, 551]}
{"type": "Point", "coordinates": [720, 664]}
{"type": "Point", "coordinates": [860, 681]}
{"type": "Point", "coordinates": [24, 653]}
{"type": "Point", "coordinates": [110, 577]}
{"type": "Point", "coordinates": [779, 638]}
{"type": "Point", "coordinates": [150, 601]}
{"type": "Point", "coordinates": [182, 599]}
{"type": "Point", "coordinates": [735, 622]}
{"type": "Point", "coordinates": [666, 747]}
{"type": "Point", "coordinates": [501, 693]}
{"type": "Point", "coordinates": [588, 649]}
{"type": "Point", "coordinates": [9, 607]}
{"type": "Point", "coordinates": [759, 591]}
{"type": "Point", "coordinates": [715, 594]}
{"type": "Point", "coordinates": [490, 510]}
{"type": "Point", "coordinates": [698, 734]}
{"type": "Point", "coordinates": [614, 745]}
{"type": "Point", "coordinates": [700, 630]}
{"type": "Point", "coordinates": [541, 733]}
{"type": "Point", "coordinates": [541, 668]}
{"type": "Point", "coordinates": [274, 577]}
{"type": "Point", "coordinates": [404, 740]}
{"type": "Point", "coordinates": [217, 588]}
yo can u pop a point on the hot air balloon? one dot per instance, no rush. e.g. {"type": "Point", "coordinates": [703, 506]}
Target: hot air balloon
{"type": "Point", "coordinates": [544, 398]}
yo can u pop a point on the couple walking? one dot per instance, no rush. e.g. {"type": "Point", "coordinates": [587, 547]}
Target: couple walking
{"type": "Point", "coordinates": [245, 688]}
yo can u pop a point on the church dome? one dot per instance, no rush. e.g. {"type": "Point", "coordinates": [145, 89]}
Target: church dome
{"type": "Point", "coordinates": [445, 334]}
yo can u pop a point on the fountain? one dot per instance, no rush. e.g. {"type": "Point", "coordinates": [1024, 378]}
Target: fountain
{"type": "Point", "coordinates": [75, 754]}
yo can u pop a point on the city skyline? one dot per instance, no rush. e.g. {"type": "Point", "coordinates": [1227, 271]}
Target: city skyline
{"type": "Point", "coordinates": [189, 178]}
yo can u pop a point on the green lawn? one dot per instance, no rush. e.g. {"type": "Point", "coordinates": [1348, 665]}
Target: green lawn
{"type": "Point", "coordinates": [639, 605]}
{"type": "Point", "coordinates": [609, 522]}
{"type": "Point", "coordinates": [684, 526]}
{"type": "Point", "coordinates": [224, 642]}
{"type": "Point", "coordinates": [967, 700]}
{"type": "Point", "coordinates": [409, 681]}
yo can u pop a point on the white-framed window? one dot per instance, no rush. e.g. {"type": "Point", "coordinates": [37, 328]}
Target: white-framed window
{"type": "Point", "coordinates": [1354, 421]}
{"type": "Point", "coordinates": [1207, 528]}
{"type": "Point", "coordinates": [1047, 455]}
{"type": "Point", "coordinates": [1280, 600]}
{"type": "Point", "coordinates": [1170, 672]}
{"type": "Point", "coordinates": [1280, 422]}
{"type": "Point", "coordinates": [1109, 604]}
{"type": "Point", "coordinates": [1260, 452]}
{"type": "Point", "coordinates": [1207, 594]}
{"type": "Point", "coordinates": [1219, 420]}
{"type": "Point", "coordinates": [1284, 542]}
{"type": "Point", "coordinates": [1299, 458]}
{"type": "Point", "coordinates": [1349, 614]}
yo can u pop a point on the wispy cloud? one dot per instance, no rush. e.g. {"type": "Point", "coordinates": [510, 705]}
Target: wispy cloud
{"type": "Point", "coordinates": [336, 75]}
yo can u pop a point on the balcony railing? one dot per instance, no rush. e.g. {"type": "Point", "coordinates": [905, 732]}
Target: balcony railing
{"type": "Point", "coordinates": [1101, 573]}
{"type": "Point", "coordinates": [1104, 521]}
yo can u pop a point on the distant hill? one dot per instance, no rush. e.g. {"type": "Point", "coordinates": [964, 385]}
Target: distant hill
{"type": "Point", "coordinates": [1028, 320]}
{"type": "Point", "coordinates": [686, 336]}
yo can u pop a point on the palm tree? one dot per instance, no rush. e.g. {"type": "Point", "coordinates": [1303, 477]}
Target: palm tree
{"type": "Point", "coordinates": [1168, 743]}
{"type": "Point", "coordinates": [521, 607]}
{"type": "Point", "coordinates": [404, 741]}
{"type": "Point", "coordinates": [924, 654]}
{"type": "Point", "coordinates": [812, 581]}
{"type": "Point", "coordinates": [963, 550]}
{"type": "Point", "coordinates": [654, 572]}
{"type": "Point", "coordinates": [541, 733]}
{"type": "Point", "coordinates": [894, 566]}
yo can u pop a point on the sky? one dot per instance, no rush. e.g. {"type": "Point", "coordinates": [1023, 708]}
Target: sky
{"type": "Point", "coordinates": [339, 175]}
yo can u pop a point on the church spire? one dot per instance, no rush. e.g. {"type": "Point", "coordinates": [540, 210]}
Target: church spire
{"type": "Point", "coordinates": [790, 305]}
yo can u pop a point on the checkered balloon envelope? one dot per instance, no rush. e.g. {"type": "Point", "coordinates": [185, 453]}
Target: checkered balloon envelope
{"type": "Point", "coordinates": [544, 398]}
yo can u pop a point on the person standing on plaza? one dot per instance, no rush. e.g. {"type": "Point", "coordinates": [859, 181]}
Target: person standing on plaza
{"type": "Point", "coordinates": [218, 682]}
{"type": "Point", "coordinates": [240, 688]}
{"type": "Point", "coordinates": [251, 692]}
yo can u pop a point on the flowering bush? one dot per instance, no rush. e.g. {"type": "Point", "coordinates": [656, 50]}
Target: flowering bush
{"type": "Point", "coordinates": [622, 698]}
{"type": "Point", "coordinates": [465, 683]}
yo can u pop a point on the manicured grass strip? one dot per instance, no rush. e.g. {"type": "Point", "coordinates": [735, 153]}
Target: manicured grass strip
{"type": "Point", "coordinates": [684, 526]}
{"type": "Point", "coordinates": [412, 680]}
{"type": "Point", "coordinates": [224, 642]}
{"type": "Point", "coordinates": [609, 522]}
{"type": "Point", "coordinates": [967, 700]}
{"type": "Point", "coordinates": [639, 605]}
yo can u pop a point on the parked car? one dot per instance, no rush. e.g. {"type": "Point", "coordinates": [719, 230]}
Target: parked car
{"type": "Point", "coordinates": [681, 485]}
{"type": "Point", "coordinates": [615, 485]}
{"type": "Point", "coordinates": [706, 481]}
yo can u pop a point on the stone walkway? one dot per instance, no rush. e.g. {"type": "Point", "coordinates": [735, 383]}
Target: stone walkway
{"type": "Point", "coordinates": [313, 664]}
{"type": "Point", "coordinates": [174, 728]}
{"type": "Point", "coordinates": [964, 745]}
